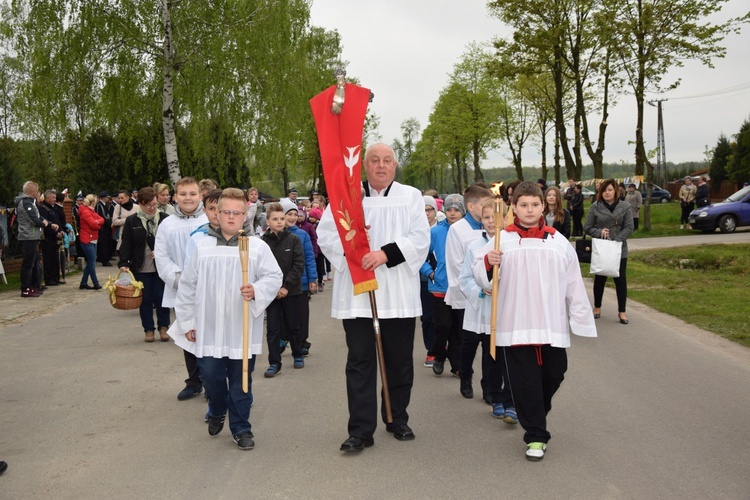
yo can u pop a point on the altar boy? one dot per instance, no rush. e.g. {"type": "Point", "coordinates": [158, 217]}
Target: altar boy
{"type": "Point", "coordinates": [541, 296]}
{"type": "Point", "coordinates": [209, 321]}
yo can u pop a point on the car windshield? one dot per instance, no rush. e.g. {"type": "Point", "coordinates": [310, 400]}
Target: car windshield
{"type": "Point", "coordinates": [739, 194]}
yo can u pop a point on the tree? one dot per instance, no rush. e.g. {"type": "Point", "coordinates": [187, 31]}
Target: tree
{"type": "Point", "coordinates": [657, 35]}
{"type": "Point", "coordinates": [721, 156]}
{"type": "Point", "coordinates": [739, 168]}
{"type": "Point", "coordinates": [405, 146]}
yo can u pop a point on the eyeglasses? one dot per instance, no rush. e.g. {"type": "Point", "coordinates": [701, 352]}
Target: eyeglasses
{"type": "Point", "coordinates": [233, 213]}
{"type": "Point", "coordinates": [151, 205]}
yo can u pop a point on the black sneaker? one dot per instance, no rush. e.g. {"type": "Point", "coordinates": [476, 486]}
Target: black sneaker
{"type": "Point", "coordinates": [437, 367]}
{"type": "Point", "coordinates": [188, 392]}
{"type": "Point", "coordinates": [215, 424]}
{"type": "Point", "coordinates": [466, 389]}
{"type": "Point", "coordinates": [245, 441]}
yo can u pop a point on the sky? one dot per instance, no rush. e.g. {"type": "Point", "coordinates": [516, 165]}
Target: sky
{"type": "Point", "coordinates": [404, 51]}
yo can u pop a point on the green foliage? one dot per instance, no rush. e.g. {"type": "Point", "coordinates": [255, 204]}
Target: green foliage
{"type": "Point", "coordinates": [10, 175]}
{"type": "Point", "coordinates": [720, 161]}
{"type": "Point", "coordinates": [100, 164]}
{"type": "Point", "coordinates": [242, 73]}
{"type": "Point", "coordinates": [739, 168]}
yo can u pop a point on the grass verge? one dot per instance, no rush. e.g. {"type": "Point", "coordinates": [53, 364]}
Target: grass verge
{"type": "Point", "coordinates": [705, 286]}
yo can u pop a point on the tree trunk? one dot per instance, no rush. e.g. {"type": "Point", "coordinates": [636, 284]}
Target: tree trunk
{"type": "Point", "coordinates": [559, 115]}
{"type": "Point", "coordinates": [167, 96]}
{"type": "Point", "coordinates": [478, 175]}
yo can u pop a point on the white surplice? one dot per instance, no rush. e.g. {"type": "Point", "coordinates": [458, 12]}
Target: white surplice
{"type": "Point", "coordinates": [169, 251]}
{"type": "Point", "coordinates": [541, 292]}
{"type": "Point", "coordinates": [209, 300]}
{"type": "Point", "coordinates": [460, 236]}
{"type": "Point", "coordinates": [478, 304]}
{"type": "Point", "coordinates": [396, 218]}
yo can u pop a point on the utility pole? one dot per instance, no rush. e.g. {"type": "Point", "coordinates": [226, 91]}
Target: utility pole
{"type": "Point", "coordinates": [660, 176]}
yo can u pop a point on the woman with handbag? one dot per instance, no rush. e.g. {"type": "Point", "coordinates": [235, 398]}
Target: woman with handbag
{"type": "Point", "coordinates": [91, 223]}
{"type": "Point", "coordinates": [137, 256]}
{"type": "Point", "coordinates": [610, 218]}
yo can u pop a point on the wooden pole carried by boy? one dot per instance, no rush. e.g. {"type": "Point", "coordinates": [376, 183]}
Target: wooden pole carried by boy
{"type": "Point", "coordinates": [498, 206]}
{"type": "Point", "coordinates": [244, 250]}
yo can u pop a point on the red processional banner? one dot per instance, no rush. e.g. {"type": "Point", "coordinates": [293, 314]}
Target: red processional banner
{"type": "Point", "coordinates": [340, 143]}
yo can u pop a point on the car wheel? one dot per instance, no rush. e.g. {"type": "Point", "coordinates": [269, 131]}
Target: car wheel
{"type": "Point", "coordinates": [664, 200]}
{"type": "Point", "coordinates": [727, 224]}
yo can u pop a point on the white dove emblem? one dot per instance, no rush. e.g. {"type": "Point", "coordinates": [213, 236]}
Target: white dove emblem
{"type": "Point", "coordinates": [352, 159]}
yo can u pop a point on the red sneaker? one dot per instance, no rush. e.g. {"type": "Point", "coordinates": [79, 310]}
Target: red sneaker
{"type": "Point", "coordinates": [29, 292]}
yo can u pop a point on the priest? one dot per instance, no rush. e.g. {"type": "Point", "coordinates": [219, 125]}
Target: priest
{"type": "Point", "coordinates": [399, 238]}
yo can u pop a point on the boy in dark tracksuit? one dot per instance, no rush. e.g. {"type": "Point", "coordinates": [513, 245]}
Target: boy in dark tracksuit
{"type": "Point", "coordinates": [287, 248]}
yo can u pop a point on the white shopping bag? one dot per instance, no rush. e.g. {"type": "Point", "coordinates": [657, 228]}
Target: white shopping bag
{"type": "Point", "coordinates": [605, 257]}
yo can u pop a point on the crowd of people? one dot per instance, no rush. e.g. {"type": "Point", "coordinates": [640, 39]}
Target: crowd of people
{"type": "Point", "coordinates": [432, 257]}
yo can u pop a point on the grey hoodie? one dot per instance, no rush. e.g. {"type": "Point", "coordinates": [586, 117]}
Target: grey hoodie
{"type": "Point", "coordinates": [30, 224]}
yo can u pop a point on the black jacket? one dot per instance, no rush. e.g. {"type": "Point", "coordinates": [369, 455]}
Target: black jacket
{"type": "Point", "coordinates": [287, 248]}
{"type": "Point", "coordinates": [563, 228]}
{"type": "Point", "coordinates": [51, 215]}
{"type": "Point", "coordinates": [702, 196]}
{"type": "Point", "coordinates": [134, 241]}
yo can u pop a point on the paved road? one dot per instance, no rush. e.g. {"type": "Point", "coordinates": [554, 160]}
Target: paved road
{"type": "Point", "coordinates": [654, 409]}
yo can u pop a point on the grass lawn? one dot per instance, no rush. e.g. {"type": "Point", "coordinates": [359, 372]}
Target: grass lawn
{"type": "Point", "coordinates": [710, 289]}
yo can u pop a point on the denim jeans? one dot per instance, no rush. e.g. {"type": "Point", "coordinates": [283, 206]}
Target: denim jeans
{"type": "Point", "coordinates": [215, 373]}
{"type": "Point", "coordinates": [89, 251]}
{"type": "Point", "coordinates": [153, 291]}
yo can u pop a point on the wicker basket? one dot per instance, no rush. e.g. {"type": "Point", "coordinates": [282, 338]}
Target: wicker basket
{"type": "Point", "coordinates": [125, 298]}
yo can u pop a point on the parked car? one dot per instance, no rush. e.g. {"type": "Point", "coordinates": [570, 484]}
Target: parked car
{"type": "Point", "coordinates": [658, 194]}
{"type": "Point", "coordinates": [726, 215]}
{"type": "Point", "coordinates": [588, 194]}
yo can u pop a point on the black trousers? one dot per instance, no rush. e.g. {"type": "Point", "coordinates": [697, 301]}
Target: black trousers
{"type": "Point", "coordinates": [191, 363]}
{"type": "Point", "coordinates": [29, 265]}
{"type": "Point", "coordinates": [362, 371]}
{"type": "Point", "coordinates": [50, 261]}
{"type": "Point", "coordinates": [499, 387]}
{"type": "Point", "coordinates": [577, 225]}
{"type": "Point", "coordinates": [448, 327]}
{"type": "Point", "coordinates": [534, 375]}
{"type": "Point", "coordinates": [283, 315]}
{"type": "Point", "coordinates": [304, 321]}
{"type": "Point", "coordinates": [469, 343]}
{"type": "Point", "coordinates": [621, 287]}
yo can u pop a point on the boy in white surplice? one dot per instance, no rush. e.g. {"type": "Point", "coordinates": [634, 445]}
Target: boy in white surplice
{"type": "Point", "coordinates": [209, 314]}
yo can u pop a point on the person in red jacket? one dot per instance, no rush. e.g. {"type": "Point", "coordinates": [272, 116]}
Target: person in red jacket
{"type": "Point", "coordinates": [91, 222]}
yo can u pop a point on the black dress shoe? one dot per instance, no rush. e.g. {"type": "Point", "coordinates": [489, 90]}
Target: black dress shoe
{"type": "Point", "coordinates": [466, 390]}
{"type": "Point", "coordinates": [97, 287]}
{"type": "Point", "coordinates": [402, 432]}
{"type": "Point", "coordinates": [3, 467]}
{"type": "Point", "coordinates": [623, 321]}
{"type": "Point", "coordinates": [84, 287]}
{"type": "Point", "coordinates": [355, 444]}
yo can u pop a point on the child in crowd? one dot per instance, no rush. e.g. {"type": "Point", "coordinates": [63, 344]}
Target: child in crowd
{"type": "Point", "coordinates": [287, 249]}
{"type": "Point", "coordinates": [428, 328]}
{"type": "Point", "coordinates": [169, 253]}
{"type": "Point", "coordinates": [309, 274]}
{"type": "Point", "coordinates": [320, 260]}
{"type": "Point", "coordinates": [460, 236]}
{"type": "Point", "coordinates": [541, 298]}
{"type": "Point", "coordinates": [447, 344]}
{"type": "Point", "coordinates": [209, 307]}
{"type": "Point", "coordinates": [477, 321]}
{"type": "Point", "coordinates": [211, 209]}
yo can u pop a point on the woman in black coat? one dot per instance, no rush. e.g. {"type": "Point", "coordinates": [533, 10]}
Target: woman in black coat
{"type": "Point", "coordinates": [137, 255]}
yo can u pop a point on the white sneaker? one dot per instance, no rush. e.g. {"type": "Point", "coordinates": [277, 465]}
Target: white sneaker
{"type": "Point", "coordinates": [682, 227]}
{"type": "Point", "coordinates": [535, 451]}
